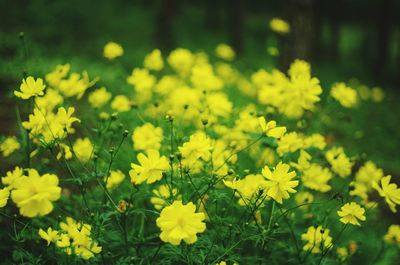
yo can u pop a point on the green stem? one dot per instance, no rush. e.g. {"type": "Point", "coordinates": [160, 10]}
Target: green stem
{"type": "Point", "coordinates": [271, 215]}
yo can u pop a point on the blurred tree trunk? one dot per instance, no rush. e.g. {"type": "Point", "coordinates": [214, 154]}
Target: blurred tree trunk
{"type": "Point", "coordinates": [299, 44]}
{"type": "Point", "coordinates": [384, 23]}
{"type": "Point", "coordinates": [163, 33]}
{"type": "Point", "coordinates": [236, 24]}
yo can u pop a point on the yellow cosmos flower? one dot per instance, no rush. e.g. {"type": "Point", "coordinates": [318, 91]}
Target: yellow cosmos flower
{"type": "Point", "coordinates": [299, 68]}
{"type": "Point", "coordinates": [279, 26]}
{"type": "Point", "coordinates": [154, 60]}
{"type": "Point", "coordinates": [289, 143]}
{"type": "Point", "coordinates": [114, 179]}
{"type": "Point", "coordinates": [393, 235]}
{"type": "Point", "coordinates": [181, 60]}
{"type": "Point", "coordinates": [389, 191]}
{"type": "Point", "coordinates": [50, 235]}
{"type": "Point", "coordinates": [316, 177]}
{"type": "Point", "coordinates": [83, 148]}
{"type": "Point", "coordinates": [350, 213]}
{"type": "Point", "coordinates": [340, 163]}
{"type": "Point", "coordinates": [147, 137]}
{"type": "Point", "coordinates": [161, 196]}
{"type": "Point", "coordinates": [12, 176]}
{"type": "Point", "coordinates": [270, 128]}
{"type": "Point", "coordinates": [9, 145]}
{"type": "Point", "coordinates": [199, 146]}
{"type": "Point", "coordinates": [34, 194]}
{"type": "Point", "coordinates": [317, 238]}
{"type": "Point", "coordinates": [112, 50]}
{"type": "Point", "coordinates": [150, 169]}
{"type": "Point", "coordinates": [121, 103]}
{"type": "Point", "coordinates": [224, 51]}
{"type": "Point", "coordinates": [50, 100]}
{"type": "Point", "coordinates": [4, 194]}
{"type": "Point", "coordinates": [99, 97]}
{"type": "Point", "coordinates": [247, 188]}
{"type": "Point", "coordinates": [179, 222]}
{"type": "Point", "coordinates": [30, 88]}
{"type": "Point", "coordinates": [279, 182]}
{"type": "Point", "coordinates": [346, 96]}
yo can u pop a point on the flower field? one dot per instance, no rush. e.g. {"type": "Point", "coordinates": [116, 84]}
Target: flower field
{"type": "Point", "coordinates": [191, 157]}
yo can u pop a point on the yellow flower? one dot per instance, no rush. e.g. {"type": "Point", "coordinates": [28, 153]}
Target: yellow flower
{"type": "Point", "coordinates": [350, 213]}
{"type": "Point", "coordinates": [204, 78]}
{"type": "Point", "coordinates": [279, 26]}
{"type": "Point", "coordinates": [60, 72]}
{"type": "Point", "coordinates": [289, 143]}
{"type": "Point", "coordinates": [30, 88]}
{"type": "Point", "coordinates": [112, 50]}
{"type": "Point", "coordinates": [114, 179]}
{"type": "Point", "coordinates": [346, 96]}
{"type": "Point", "coordinates": [179, 222]}
{"type": "Point", "coordinates": [377, 94]}
{"type": "Point", "coordinates": [315, 140]}
{"type": "Point", "coordinates": [299, 68]}
{"type": "Point", "coordinates": [4, 194]}
{"type": "Point", "coordinates": [389, 191]}
{"type": "Point", "coordinates": [279, 182]}
{"type": "Point", "coordinates": [65, 119]}
{"type": "Point", "coordinates": [121, 103]}
{"type": "Point", "coordinates": [270, 128]}
{"type": "Point", "coordinates": [181, 60]}
{"type": "Point", "coordinates": [50, 236]}
{"type": "Point", "coordinates": [12, 176]}
{"type": "Point", "coordinates": [83, 148]}
{"type": "Point", "coordinates": [161, 196]}
{"type": "Point", "coordinates": [147, 137]}
{"type": "Point", "coordinates": [199, 146]}
{"type": "Point", "coordinates": [304, 197]}
{"type": "Point", "coordinates": [393, 235]}
{"type": "Point", "coordinates": [34, 194]}
{"type": "Point", "coordinates": [340, 163]}
{"type": "Point", "coordinates": [99, 97]}
{"type": "Point", "coordinates": [225, 52]}
{"type": "Point", "coordinates": [317, 239]}
{"type": "Point", "coordinates": [142, 80]}
{"type": "Point", "coordinates": [154, 61]}
{"type": "Point", "coordinates": [247, 188]}
{"type": "Point", "coordinates": [9, 145]}
{"type": "Point", "coordinates": [49, 101]}
{"type": "Point", "coordinates": [316, 177]}
{"type": "Point", "coordinates": [150, 169]}
{"type": "Point", "coordinates": [343, 253]}
{"type": "Point", "coordinates": [76, 85]}
{"type": "Point", "coordinates": [369, 173]}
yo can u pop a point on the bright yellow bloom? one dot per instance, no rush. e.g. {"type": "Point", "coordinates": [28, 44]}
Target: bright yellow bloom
{"type": "Point", "coordinates": [179, 222]}
{"type": "Point", "coordinates": [315, 140]}
{"type": "Point", "coordinates": [112, 50]}
{"type": "Point", "coordinates": [76, 236]}
{"type": "Point", "coordinates": [76, 84]}
{"type": "Point", "coordinates": [340, 163]}
{"type": "Point", "coordinates": [4, 194]}
{"type": "Point", "coordinates": [289, 143]}
{"type": "Point", "coordinates": [60, 72]}
{"type": "Point", "coordinates": [389, 191]}
{"type": "Point", "coordinates": [121, 103]}
{"type": "Point", "coordinates": [393, 235]}
{"type": "Point", "coordinates": [34, 194]}
{"type": "Point", "coordinates": [9, 145]}
{"type": "Point", "coordinates": [279, 182]}
{"type": "Point", "coordinates": [346, 96]}
{"type": "Point", "coordinates": [99, 97]}
{"type": "Point", "coordinates": [279, 26]}
{"type": "Point", "coordinates": [368, 173]}
{"type": "Point", "coordinates": [150, 169]}
{"type": "Point", "coordinates": [11, 176]}
{"type": "Point", "coordinates": [142, 80]}
{"type": "Point", "coordinates": [317, 238]}
{"type": "Point", "coordinates": [199, 146]}
{"type": "Point", "coordinates": [303, 197]}
{"type": "Point", "coordinates": [204, 78]}
{"type": "Point", "coordinates": [181, 60]}
{"type": "Point", "coordinates": [225, 52]}
{"type": "Point", "coordinates": [350, 213]}
{"type": "Point", "coordinates": [51, 236]}
{"type": "Point", "coordinates": [161, 196]}
{"type": "Point", "coordinates": [147, 137]}
{"type": "Point", "coordinates": [270, 128]}
{"type": "Point", "coordinates": [114, 179]}
{"type": "Point", "coordinates": [247, 188]}
{"type": "Point", "coordinates": [154, 60]}
{"type": "Point", "coordinates": [49, 101]}
{"type": "Point", "coordinates": [299, 68]}
{"type": "Point", "coordinates": [83, 149]}
{"type": "Point", "coordinates": [30, 88]}
{"type": "Point", "coordinates": [316, 177]}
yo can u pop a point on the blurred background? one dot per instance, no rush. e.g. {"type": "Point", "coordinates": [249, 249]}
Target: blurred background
{"type": "Point", "coordinates": [343, 40]}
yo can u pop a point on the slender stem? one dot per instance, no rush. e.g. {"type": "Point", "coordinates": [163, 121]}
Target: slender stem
{"type": "Point", "coordinates": [271, 215]}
